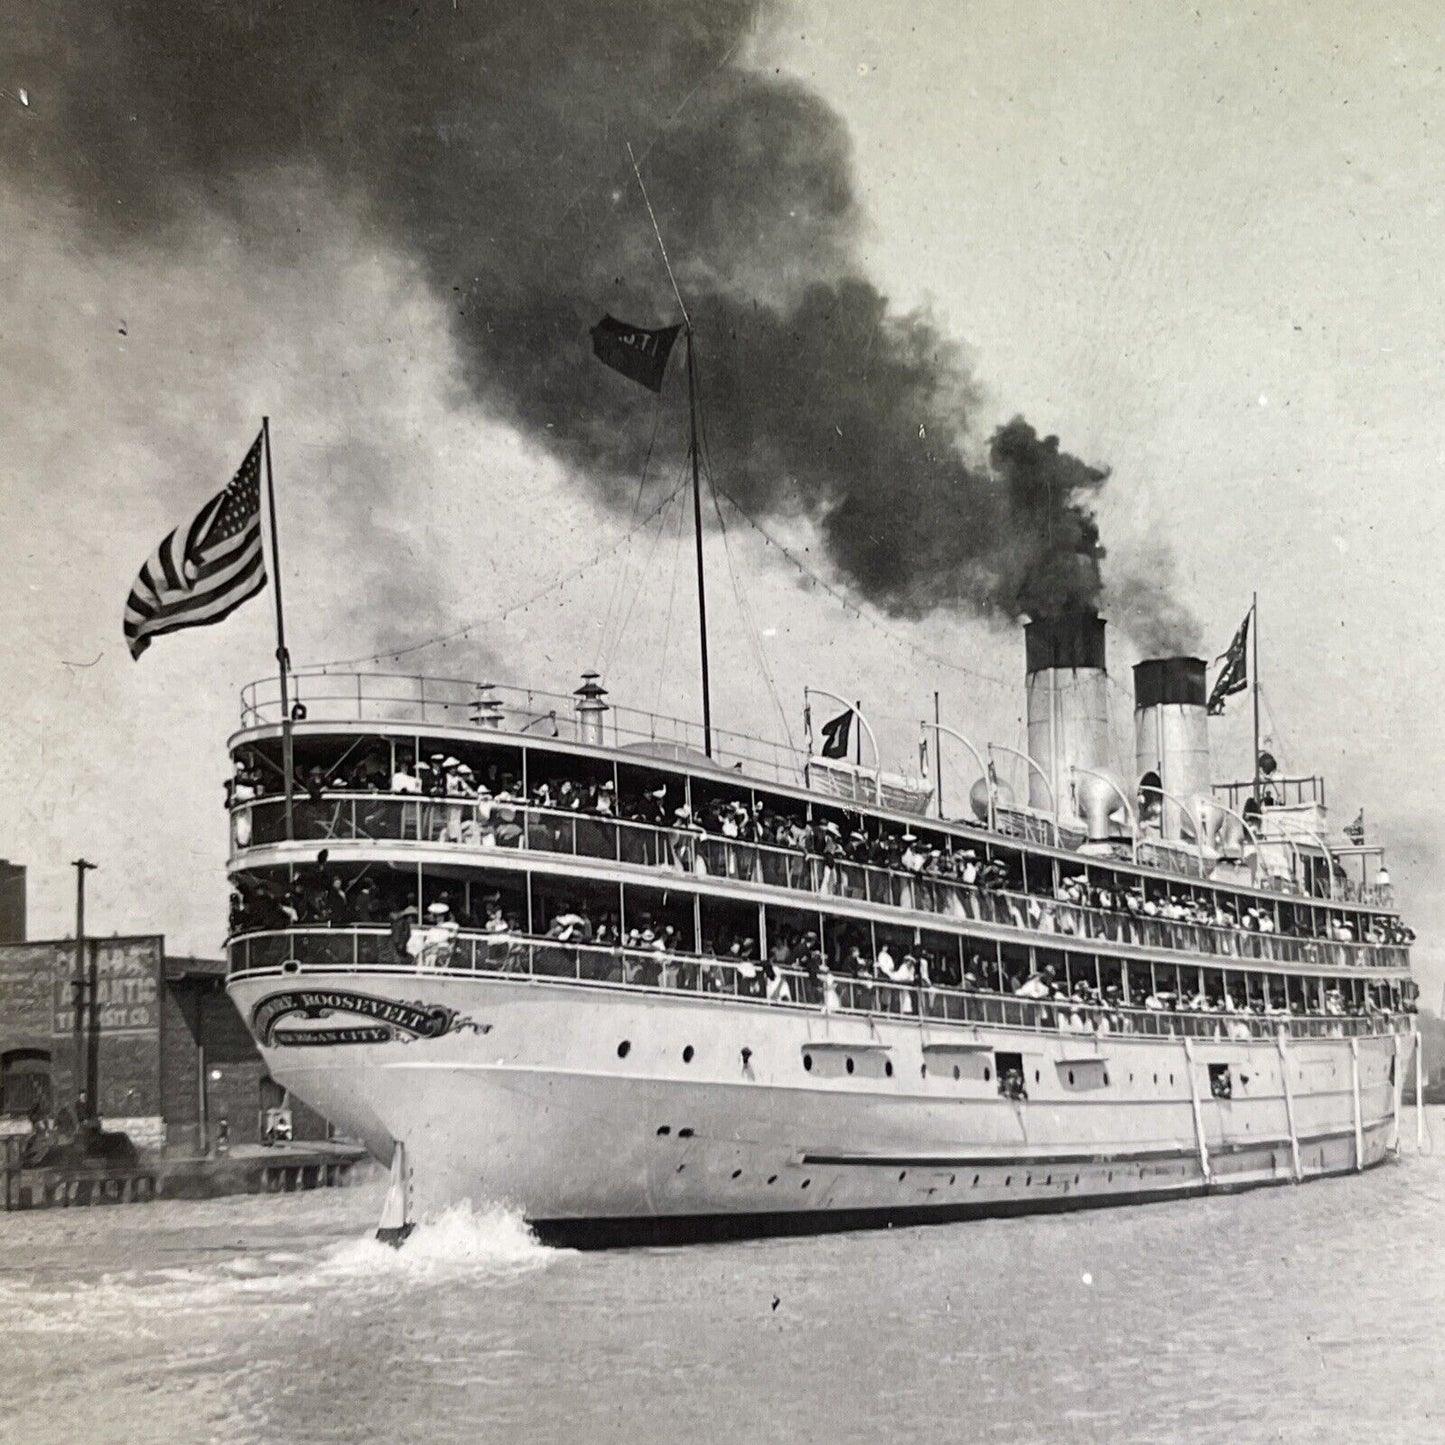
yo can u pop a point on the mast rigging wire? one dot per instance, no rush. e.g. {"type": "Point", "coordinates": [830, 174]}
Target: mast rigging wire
{"type": "Point", "coordinates": [561, 580]}
{"type": "Point", "coordinates": [671, 604]}
{"type": "Point", "coordinates": [619, 583]}
{"type": "Point", "coordinates": [621, 633]}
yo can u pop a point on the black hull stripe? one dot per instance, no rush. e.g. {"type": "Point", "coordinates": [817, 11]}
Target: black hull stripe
{"type": "Point", "coordinates": [718, 1228]}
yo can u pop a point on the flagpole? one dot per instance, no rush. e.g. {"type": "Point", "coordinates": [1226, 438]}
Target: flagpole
{"type": "Point", "coordinates": [693, 451]}
{"type": "Point", "coordinates": [1254, 674]}
{"type": "Point", "coordinates": [283, 660]}
{"type": "Point", "coordinates": [808, 738]}
{"type": "Point", "coordinates": [697, 528]}
{"type": "Point", "coordinates": [937, 756]}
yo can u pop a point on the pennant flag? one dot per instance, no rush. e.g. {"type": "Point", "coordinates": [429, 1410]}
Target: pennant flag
{"type": "Point", "coordinates": [1356, 831]}
{"type": "Point", "coordinates": [639, 355]}
{"type": "Point", "coordinates": [835, 735]}
{"type": "Point", "coordinates": [203, 572]}
{"type": "Point", "coordinates": [1232, 676]}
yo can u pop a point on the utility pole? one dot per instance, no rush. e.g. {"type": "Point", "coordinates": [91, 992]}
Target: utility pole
{"type": "Point", "coordinates": [87, 1058]}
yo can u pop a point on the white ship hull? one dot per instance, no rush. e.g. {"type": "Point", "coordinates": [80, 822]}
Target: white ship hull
{"type": "Point", "coordinates": [724, 1117]}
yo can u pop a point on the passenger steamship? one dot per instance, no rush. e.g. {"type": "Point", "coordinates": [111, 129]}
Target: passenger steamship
{"type": "Point", "coordinates": [576, 979]}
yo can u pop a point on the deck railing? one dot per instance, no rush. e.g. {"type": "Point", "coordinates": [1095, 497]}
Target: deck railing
{"type": "Point", "coordinates": [492, 708]}
{"type": "Point", "coordinates": [480, 828]}
{"type": "Point", "coordinates": [360, 949]}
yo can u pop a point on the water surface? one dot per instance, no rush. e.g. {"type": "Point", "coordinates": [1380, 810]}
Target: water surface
{"type": "Point", "coordinates": [1294, 1314]}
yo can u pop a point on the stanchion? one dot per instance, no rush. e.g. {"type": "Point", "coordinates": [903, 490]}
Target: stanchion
{"type": "Point", "coordinates": [1198, 1112]}
{"type": "Point", "coordinates": [1419, 1091]}
{"type": "Point", "coordinates": [1355, 1088]}
{"type": "Point", "coordinates": [1289, 1106]}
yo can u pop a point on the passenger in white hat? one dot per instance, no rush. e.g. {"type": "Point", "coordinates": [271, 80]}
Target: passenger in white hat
{"type": "Point", "coordinates": [438, 939]}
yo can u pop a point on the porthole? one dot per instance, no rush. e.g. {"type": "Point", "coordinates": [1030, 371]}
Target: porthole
{"type": "Point", "coordinates": [849, 1065]}
{"type": "Point", "coordinates": [1156, 1078]}
{"type": "Point", "coordinates": [681, 1167]}
{"type": "Point", "coordinates": [1106, 1078]}
{"type": "Point", "coordinates": [1171, 1078]}
{"type": "Point", "coordinates": [1007, 1180]}
{"type": "Point", "coordinates": [987, 1073]}
{"type": "Point", "coordinates": [806, 1183]}
{"type": "Point", "coordinates": [1028, 1179]}
{"type": "Point", "coordinates": [684, 1133]}
{"type": "Point", "coordinates": [952, 1177]}
{"type": "Point", "coordinates": [1076, 1178]}
{"type": "Point", "coordinates": [902, 1175]}
{"type": "Point", "coordinates": [772, 1178]}
{"type": "Point", "coordinates": [1036, 1076]}
{"type": "Point", "coordinates": [888, 1067]}
{"type": "Point", "coordinates": [808, 1062]}
{"type": "Point", "coordinates": [975, 1181]}
{"type": "Point", "coordinates": [1071, 1076]}
{"type": "Point", "coordinates": [687, 1054]}
{"type": "Point", "coordinates": [1111, 1176]}
{"type": "Point", "coordinates": [624, 1048]}
{"type": "Point", "coordinates": [956, 1073]}
{"type": "Point", "coordinates": [664, 1129]}
{"type": "Point", "coordinates": [737, 1173]}
{"type": "Point", "coordinates": [923, 1072]}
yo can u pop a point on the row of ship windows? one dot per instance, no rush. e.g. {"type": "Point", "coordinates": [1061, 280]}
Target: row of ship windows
{"type": "Point", "coordinates": [1010, 1074]}
{"type": "Point", "coordinates": [1009, 1064]}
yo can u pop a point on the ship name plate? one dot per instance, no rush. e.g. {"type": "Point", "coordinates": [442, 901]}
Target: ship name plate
{"type": "Point", "coordinates": [393, 1019]}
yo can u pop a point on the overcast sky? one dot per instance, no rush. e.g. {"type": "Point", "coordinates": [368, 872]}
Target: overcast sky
{"type": "Point", "coordinates": [1202, 244]}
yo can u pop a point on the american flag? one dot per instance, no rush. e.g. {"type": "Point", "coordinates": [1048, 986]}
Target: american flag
{"type": "Point", "coordinates": [203, 572]}
{"type": "Point", "coordinates": [1234, 675]}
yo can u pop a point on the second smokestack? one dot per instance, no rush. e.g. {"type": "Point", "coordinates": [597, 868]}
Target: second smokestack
{"type": "Point", "coordinates": [1068, 703]}
{"type": "Point", "coordinates": [1171, 735]}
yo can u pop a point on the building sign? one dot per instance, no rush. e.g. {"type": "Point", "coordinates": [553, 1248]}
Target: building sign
{"type": "Point", "coordinates": [128, 991]}
{"type": "Point", "coordinates": [386, 1018]}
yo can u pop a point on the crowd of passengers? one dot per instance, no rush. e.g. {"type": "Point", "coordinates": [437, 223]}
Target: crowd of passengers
{"type": "Point", "coordinates": [795, 967]}
{"type": "Point", "coordinates": [484, 811]}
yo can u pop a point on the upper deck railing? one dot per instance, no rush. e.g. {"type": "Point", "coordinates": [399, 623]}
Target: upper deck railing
{"type": "Point", "coordinates": [509, 955]}
{"type": "Point", "coordinates": [491, 708]}
{"type": "Point", "coordinates": [482, 830]}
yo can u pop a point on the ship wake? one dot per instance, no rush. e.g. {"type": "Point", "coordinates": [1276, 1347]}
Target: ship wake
{"type": "Point", "coordinates": [461, 1244]}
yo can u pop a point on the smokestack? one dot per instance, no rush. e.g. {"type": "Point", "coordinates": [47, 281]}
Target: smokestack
{"type": "Point", "coordinates": [1068, 712]}
{"type": "Point", "coordinates": [1171, 735]}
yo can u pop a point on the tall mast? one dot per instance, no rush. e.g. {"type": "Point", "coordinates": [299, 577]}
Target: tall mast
{"type": "Point", "coordinates": [692, 448]}
{"type": "Point", "coordinates": [697, 529]}
{"type": "Point", "coordinates": [1254, 678]}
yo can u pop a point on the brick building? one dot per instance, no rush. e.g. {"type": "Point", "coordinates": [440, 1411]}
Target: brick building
{"type": "Point", "coordinates": [175, 1058]}
{"type": "Point", "coordinates": [12, 902]}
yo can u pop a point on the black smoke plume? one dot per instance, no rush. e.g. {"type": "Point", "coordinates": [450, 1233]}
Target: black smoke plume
{"type": "Point", "coordinates": [487, 140]}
